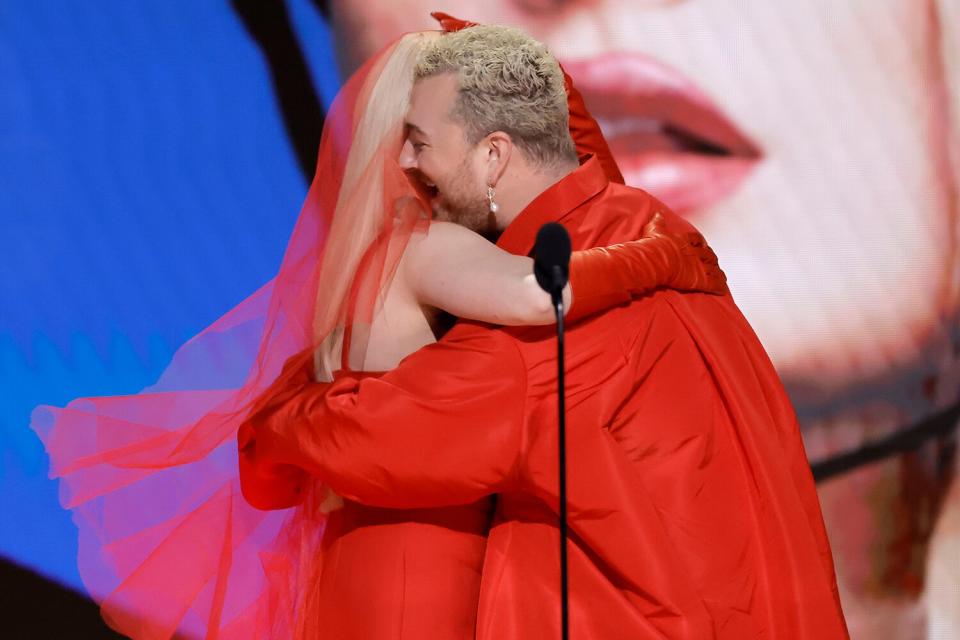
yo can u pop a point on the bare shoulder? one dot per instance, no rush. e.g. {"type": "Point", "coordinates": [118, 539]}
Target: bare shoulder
{"type": "Point", "coordinates": [445, 239]}
{"type": "Point", "coordinates": [450, 231]}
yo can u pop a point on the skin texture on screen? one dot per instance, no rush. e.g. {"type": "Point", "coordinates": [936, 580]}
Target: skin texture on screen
{"type": "Point", "coordinates": [815, 145]}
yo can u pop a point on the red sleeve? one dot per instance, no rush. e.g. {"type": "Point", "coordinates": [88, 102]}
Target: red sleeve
{"type": "Point", "coordinates": [265, 483]}
{"type": "Point", "coordinates": [443, 428]}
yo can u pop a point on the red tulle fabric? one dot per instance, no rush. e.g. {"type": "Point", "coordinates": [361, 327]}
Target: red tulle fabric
{"type": "Point", "coordinates": [168, 545]}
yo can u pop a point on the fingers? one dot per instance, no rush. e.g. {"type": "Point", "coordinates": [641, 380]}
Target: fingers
{"type": "Point", "coordinates": [718, 280]}
{"type": "Point", "coordinates": [331, 501]}
{"type": "Point", "coordinates": [714, 277]}
{"type": "Point", "coordinates": [655, 227]}
{"type": "Point", "coordinates": [695, 239]}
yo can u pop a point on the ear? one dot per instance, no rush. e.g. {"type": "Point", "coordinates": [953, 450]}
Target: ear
{"type": "Point", "coordinates": [500, 149]}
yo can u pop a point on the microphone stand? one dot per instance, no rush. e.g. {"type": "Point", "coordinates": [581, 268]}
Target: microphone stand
{"type": "Point", "coordinates": [557, 297]}
{"type": "Point", "coordinates": [551, 265]}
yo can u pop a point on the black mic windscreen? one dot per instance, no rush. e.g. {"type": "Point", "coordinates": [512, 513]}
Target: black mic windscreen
{"type": "Point", "coordinates": [551, 261]}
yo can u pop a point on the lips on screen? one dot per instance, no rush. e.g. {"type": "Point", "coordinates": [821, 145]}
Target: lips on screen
{"type": "Point", "coordinates": [827, 198]}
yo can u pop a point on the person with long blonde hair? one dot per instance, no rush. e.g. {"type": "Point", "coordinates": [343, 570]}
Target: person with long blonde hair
{"type": "Point", "coordinates": [169, 544]}
{"type": "Point", "coordinates": [691, 505]}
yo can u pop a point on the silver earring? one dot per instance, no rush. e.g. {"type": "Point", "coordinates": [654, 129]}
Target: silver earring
{"type": "Point", "coordinates": [494, 207]}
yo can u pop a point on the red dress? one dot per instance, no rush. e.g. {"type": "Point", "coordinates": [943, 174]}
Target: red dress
{"type": "Point", "coordinates": [389, 573]}
{"type": "Point", "coordinates": [400, 573]}
{"type": "Point", "coordinates": [168, 546]}
{"type": "Point", "coordinates": [692, 509]}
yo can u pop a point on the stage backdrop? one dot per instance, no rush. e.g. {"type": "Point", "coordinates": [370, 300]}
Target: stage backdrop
{"type": "Point", "coordinates": [153, 161]}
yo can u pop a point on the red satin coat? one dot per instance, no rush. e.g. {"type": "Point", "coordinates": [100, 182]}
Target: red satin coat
{"type": "Point", "coordinates": [692, 509]}
{"type": "Point", "coordinates": [390, 573]}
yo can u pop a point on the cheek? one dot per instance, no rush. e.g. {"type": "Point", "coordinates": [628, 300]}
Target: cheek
{"type": "Point", "coordinates": [469, 182]}
{"type": "Point", "coordinates": [441, 167]}
{"type": "Point", "coordinates": [429, 165]}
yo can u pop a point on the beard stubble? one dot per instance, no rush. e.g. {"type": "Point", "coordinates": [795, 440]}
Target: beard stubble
{"type": "Point", "coordinates": [464, 203]}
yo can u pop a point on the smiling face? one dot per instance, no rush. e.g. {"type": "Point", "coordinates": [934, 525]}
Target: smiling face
{"type": "Point", "coordinates": [810, 142]}
{"type": "Point", "coordinates": [816, 173]}
{"type": "Point", "coordinates": [436, 152]}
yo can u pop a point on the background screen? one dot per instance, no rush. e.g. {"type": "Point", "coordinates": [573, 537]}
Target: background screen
{"type": "Point", "coordinates": [154, 157]}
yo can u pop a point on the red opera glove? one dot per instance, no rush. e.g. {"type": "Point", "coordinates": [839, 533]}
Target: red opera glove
{"type": "Point", "coordinates": [584, 129]}
{"type": "Point", "coordinates": [607, 276]}
{"type": "Point", "coordinates": [450, 24]}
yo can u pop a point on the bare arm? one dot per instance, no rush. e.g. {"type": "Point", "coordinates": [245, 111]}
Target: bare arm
{"type": "Point", "coordinates": [454, 269]}
{"type": "Point", "coordinates": [459, 271]}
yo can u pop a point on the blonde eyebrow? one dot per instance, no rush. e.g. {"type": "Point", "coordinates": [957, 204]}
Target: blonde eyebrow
{"type": "Point", "coordinates": [409, 126]}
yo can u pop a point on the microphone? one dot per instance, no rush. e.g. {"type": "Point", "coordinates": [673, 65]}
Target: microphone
{"type": "Point", "coordinates": [551, 266]}
{"type": "Point", "coordinates": [551, 262]}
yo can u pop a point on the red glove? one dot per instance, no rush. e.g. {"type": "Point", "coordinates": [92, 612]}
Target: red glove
{"type": "Point", "coordinates": [450, 24]}
{"type": "Point", "coordinates": [607, 276]}
{"type": "Point", "coordinates": [584, 129]}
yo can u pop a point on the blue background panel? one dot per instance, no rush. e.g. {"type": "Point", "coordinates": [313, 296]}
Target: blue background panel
{"type": "Point", "coordinates": [146, 187]}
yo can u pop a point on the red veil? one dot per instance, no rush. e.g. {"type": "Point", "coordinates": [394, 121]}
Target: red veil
{"type": "Point", "coordinates": [168, 545]}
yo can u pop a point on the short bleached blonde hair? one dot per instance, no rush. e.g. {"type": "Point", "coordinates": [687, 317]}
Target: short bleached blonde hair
{"type": "Point", "coordinates": [507, 82]}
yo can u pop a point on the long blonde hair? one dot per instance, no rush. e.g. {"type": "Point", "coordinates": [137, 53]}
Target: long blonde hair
{"type": "Point", "coordinates": [360, 217]}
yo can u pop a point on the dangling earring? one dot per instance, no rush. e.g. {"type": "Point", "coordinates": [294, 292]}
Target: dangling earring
{"type": "Point", "coordinates": [494, 207]}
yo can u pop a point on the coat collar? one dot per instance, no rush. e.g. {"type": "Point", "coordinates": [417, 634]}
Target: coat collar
{"type": "Point", "coordinates": [553, 205]}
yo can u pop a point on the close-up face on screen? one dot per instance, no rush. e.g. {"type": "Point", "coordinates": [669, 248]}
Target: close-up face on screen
{"type": "Point", "coordinates": [814, 143]}
{"type": "Point", "coordinates": [809, 141]}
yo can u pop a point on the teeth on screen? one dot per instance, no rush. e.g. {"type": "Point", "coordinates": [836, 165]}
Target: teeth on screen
{"type": "Point", "coordinates": [625, 126]}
